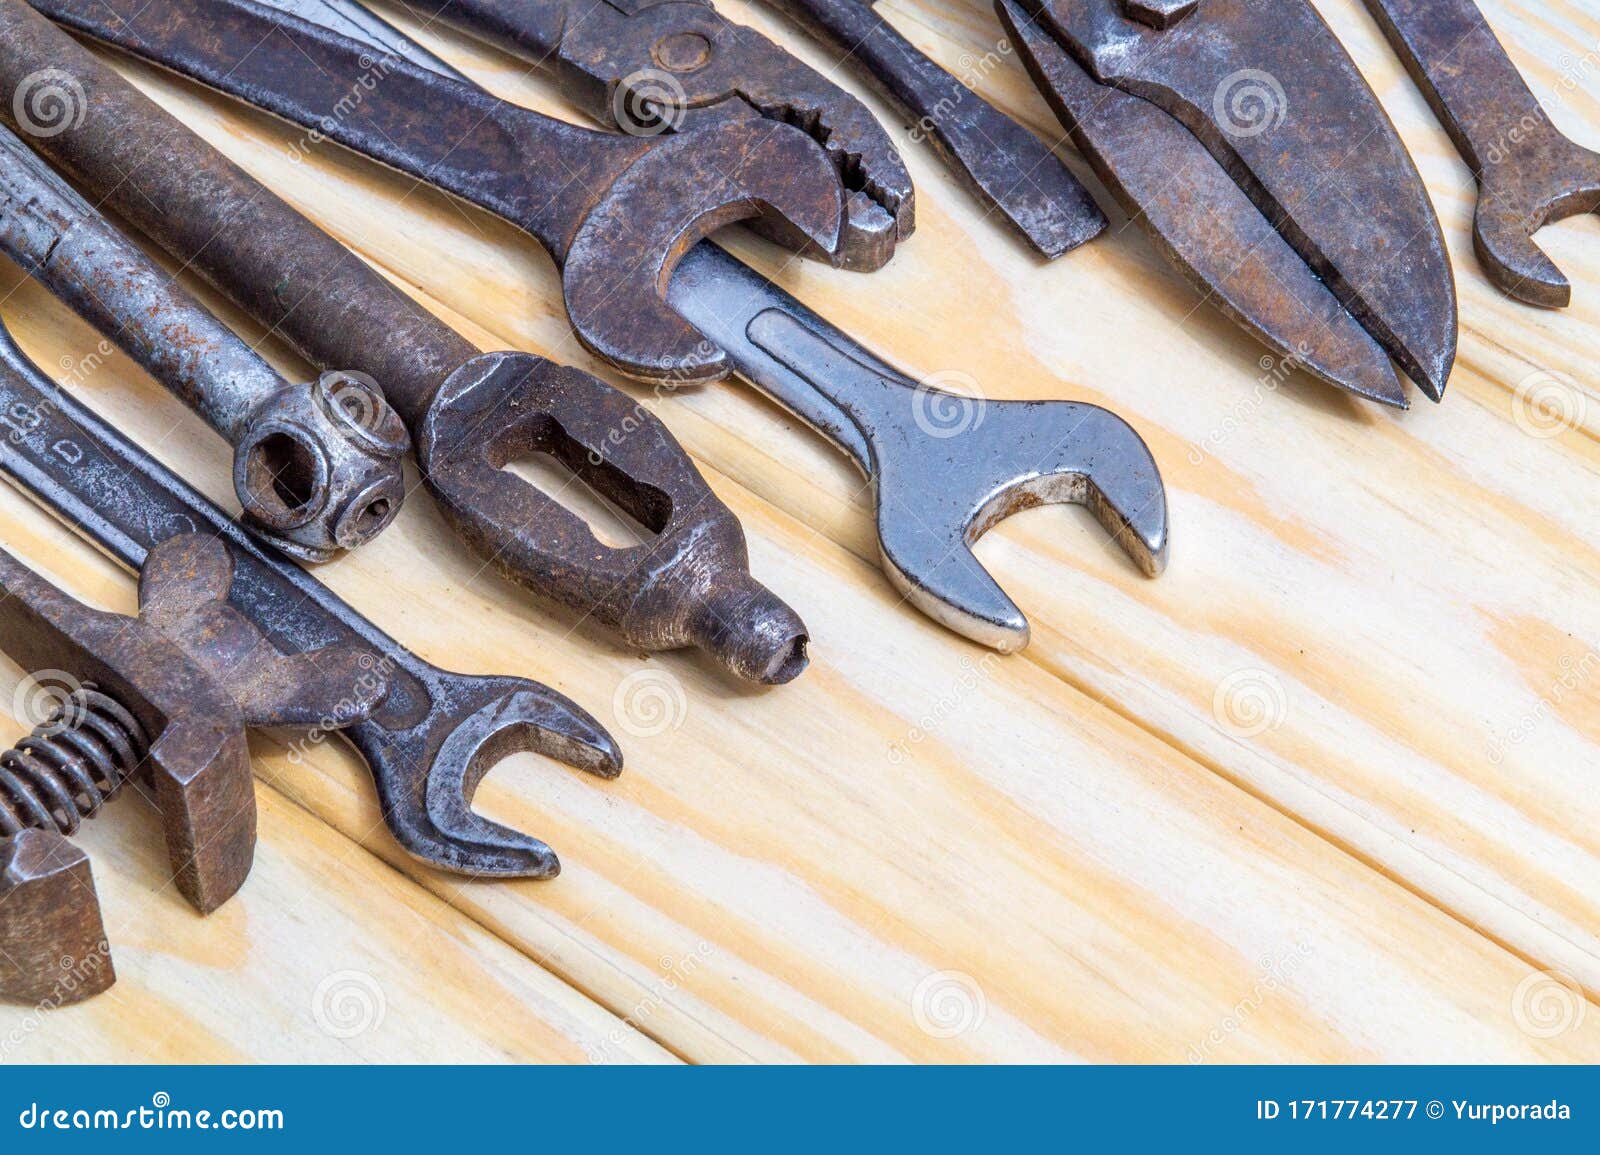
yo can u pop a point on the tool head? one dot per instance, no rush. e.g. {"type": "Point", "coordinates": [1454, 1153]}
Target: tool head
{"type": "Point", "coordinates": [680, 66]}
{"type": "Point", "coordinates": [940, 493]}
{"type": "Point", "coordinates": [685, 581]}
{"type": "Point", "coordinates": [616, 272]}
{"type": "Point", "coordinates": [53, 949]}
{"type": "Point", "coordinates": [1545, 179]}
{"type": "Point", "coordinates": [426, 776]}
{"type": "Point", "coordinates": [318, 468]}
{"type": "Point", "coordinates": [1281, 107]}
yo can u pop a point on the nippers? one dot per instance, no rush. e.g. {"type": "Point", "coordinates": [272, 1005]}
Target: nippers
{"type": "Point", "coordinates": [1246, 142]}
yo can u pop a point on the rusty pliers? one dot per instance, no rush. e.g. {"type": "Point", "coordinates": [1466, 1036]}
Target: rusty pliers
{"type": "Point", "coordinates": [653, 66]}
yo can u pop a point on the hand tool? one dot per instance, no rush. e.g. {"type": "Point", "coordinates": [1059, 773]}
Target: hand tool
{"type": "Point", "coordinates": [1005, 165]}
{"type": "Point", "coordinates": [317, 466]}
{"type": "Point", "coordinates": [1529, 174]}
{"type": "Point", "coordinates": [470, 413]}
{"type": "Point", "coordinates": [1246, 142]}
{"type": "Point", "coordinates": [647, 67]}
{"type": "Point", "coordinates": [436, 734]}
{"type": "Point", "coordinates": [936, 493]}
{"type": "Point", "coordinates": [168, 694]}
{"type": "Point", "coordinates": [614, 211]}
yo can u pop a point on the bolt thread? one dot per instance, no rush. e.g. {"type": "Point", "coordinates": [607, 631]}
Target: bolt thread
{"type": "Point", "coordinates": [71, 765]}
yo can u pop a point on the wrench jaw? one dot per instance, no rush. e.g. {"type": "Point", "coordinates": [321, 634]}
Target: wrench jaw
{"type": "Point", "coordinates": [474, 723]}
{"type": "Point", "coordinates": [616, 271]}
{"type": "Point", "coordinates": [932, 507]}
{"type": "Point", "coordinates": [1509, 214]}
{"type": "Point", "coordinates": [684, 582]}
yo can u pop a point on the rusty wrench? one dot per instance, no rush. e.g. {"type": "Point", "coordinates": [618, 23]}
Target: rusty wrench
{"type": "Point", "coordinates": [470, 413]}
{"type": "Point", "coordinates": [1001, 161]}
{"type": "Point", "coordinates": [1529, 174]}
{"type": "Point", "coordinates": [936, 493]}
{"type": "Point", "coordinates": [316, 466]}
{"type": "Point", "coordinates": [435, 735]}
{"type": "Point", "coordinates": [615, 212]}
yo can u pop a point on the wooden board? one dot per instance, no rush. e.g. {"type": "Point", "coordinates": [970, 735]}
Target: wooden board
{"type": "Point", "coordinates": [1094, 850]}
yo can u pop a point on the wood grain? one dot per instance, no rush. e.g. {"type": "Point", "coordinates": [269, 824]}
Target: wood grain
{"type": "Point", "coordinates": [1321, 792]}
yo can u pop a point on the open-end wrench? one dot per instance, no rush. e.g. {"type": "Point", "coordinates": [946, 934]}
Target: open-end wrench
{"type": "Point", "coordinates": [1002, 162]}
{"type": "Point", "coordinates": [1529, 174]}
{"type": "Point", "coordinates": [652, 66]}
{"type": "Point", "coordinates": [614, 211]}
{"type": "Point", "coordinates": [317, 466]}
{"type": "Point", "coordinates": [436, 734]}
{"type": "Point", "coordinates": [685, 582]}
{"type": "Point", "coordinates": [936, 493]}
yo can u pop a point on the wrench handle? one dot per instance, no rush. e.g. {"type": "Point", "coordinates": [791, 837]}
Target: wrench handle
{"type": "Point", "coordinates": [65, 244]}
{"type": "Point", "coordinates": [209, 213]}
{"type": "Point", "coordinates": [1472, 84]}
{"type": "Point", "coordinates": [533, 169]}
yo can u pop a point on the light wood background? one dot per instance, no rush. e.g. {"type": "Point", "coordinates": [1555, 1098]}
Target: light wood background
{"type": "Point", "coordinates": [1324, 791]}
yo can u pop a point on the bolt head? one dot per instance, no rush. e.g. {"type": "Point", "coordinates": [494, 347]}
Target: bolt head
{"type": "Point", "coordinates": [1158, 13]}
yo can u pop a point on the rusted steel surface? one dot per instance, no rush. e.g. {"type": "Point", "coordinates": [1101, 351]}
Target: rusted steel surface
{"type": "Point", "coordinates": [435, 734]}
{"type": "Point", "coordinates": [1269, 97]}
{"type": "Point", "coordinates": [686, 583]}
{"type": "Point", "coordinates": [615, 211]}
{"type": "Point", "coordinates": [678, 65]}
{"type": "Point", "coordinates": [1003, 163]}
{"type": "Point", "coordinates": [166, 695]}
{"type": "Point", "coordinates": [1529, 174]}
{"type": "Point", "coordinates": [317, 466]}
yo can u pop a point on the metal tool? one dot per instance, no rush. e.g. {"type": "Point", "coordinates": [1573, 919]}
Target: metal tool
{"type": "Point", "coordinates": [1246, 141]}
{"type": "Point", "coordinates": [471, 414]}
{"type": "Point", "coordinates": [614, 211]}
{"type": "Point", "coordinates": [653, 66]}
{"type": "Point", "coordinates": [1005, 165]}
{"type": "Point", "coordinates": [436, 734]}
{"type": "Point", "coordinates": [168, 694]}
{"type": "Point", "coordinates": [1529, 174]}
{"type": "Point", "coordinates": [936, 493]}
{"type": "Point", "coordinates": [317, 466]}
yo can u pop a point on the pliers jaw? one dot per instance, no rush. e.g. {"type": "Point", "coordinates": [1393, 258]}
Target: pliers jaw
{"type": "Point", "coordinates": [679, 66]}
